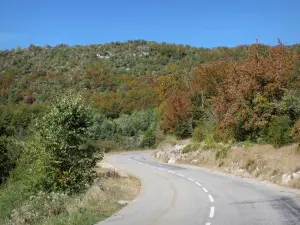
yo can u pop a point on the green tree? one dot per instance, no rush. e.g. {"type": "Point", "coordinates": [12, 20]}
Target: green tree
{"type": "Point", "coordinates": [60, 156]}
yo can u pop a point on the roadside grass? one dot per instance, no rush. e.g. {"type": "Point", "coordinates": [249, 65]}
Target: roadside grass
{"type": "Point", "coordinates": [97, 203]}
{"type": "Point", "coordinates": [263, 162]}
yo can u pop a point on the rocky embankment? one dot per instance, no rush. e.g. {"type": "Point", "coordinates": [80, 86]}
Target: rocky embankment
{"type": "Point", "coordinates": [262, 162]}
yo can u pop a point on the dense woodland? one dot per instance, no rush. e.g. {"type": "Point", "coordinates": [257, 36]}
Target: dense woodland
{"type": "Point", "coordinates": [129, 95]}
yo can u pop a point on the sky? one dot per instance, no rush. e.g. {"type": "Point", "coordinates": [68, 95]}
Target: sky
{"type": "Point", "coordinates": [208, 23]}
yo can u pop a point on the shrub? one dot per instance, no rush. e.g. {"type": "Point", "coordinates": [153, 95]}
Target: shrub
{"type": "Point", "coordinates": [278, 132]}
{"type": "Point", "coordinates": [6, 162]}
{"type": "Point", "coordinates": [199, 133]}
{"type": "Point", "coordinates": [296, 132]}
{"type": "Point", "coordinates": [222, 153]}
{"type": "Point", "coordinates": [149, 138]}
{"type": "Point", "coordinates": [250, 165]}
{"type": "Point", "coordinates": [190, 148]}
{"type": "Point", "coordinates": [184, 129]}
{"type": "Point", "coordinates": [59, 156]}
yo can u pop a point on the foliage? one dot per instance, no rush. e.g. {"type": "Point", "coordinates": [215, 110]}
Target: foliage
{"type": "Point", "coordinates": [60, 155]}
{"type": "Point", "coordinates": [149, 137]}
{"type": "Point", "coordinates": [296, 132]}
{"type": "Point", "coordinates": [190, 148]}
{"type": "Point", "coordinates": [221, 153]}
{"type": "Point", "coordinates": [278, 132]}
{"type": "Point", "coordinates": [7, 161]}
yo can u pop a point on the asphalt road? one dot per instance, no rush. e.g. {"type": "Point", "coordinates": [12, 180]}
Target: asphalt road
{"type": "Point", "coordinates": [187, 195]}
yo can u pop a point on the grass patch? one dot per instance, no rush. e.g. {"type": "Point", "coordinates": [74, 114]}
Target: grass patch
{"type": "Point", "coordinates": [190, 148]}
{"type": "Point", "coordinates": [97, 203]}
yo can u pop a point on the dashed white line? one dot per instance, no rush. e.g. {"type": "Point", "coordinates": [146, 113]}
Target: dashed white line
{"type": "Point", "coordinates": [212, 212]}
{"type": "Point", "coordinates": [198, 184]}
{"type": "Point", "coordinates": [212, 208]}
{"type": "Point", "coordinates": [211, 198]}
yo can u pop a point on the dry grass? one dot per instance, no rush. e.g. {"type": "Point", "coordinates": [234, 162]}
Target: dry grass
{"type": "Point", "coordinates": [100, 201]}
{"type": "Point", "coordinates": [263, 162]}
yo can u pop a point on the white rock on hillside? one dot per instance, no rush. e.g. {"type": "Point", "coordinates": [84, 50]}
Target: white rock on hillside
{"type": "Point", "coordinates": [286, 178]}
{"type": "Point", "coordinates": [296, 175]}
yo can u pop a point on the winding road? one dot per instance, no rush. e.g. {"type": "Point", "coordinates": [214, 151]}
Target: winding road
{"type": "Point", "coordinates": [188, 195]}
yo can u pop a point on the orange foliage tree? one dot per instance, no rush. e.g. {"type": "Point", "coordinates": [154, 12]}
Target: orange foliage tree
{"type": "Point", "coordinates": [245, 100]}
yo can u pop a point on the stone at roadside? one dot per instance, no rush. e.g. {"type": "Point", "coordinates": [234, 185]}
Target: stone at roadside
{"type": "Point", "coordinates": [296, 175]}
{"type": "Point", "coordinates": [172, 160]}
{"type": "Point", "coordinates": [123, 202]}
{"type": "Point", "coordinates": [286, 178]}
{"type": "Point", "coordinates": [194, 161]}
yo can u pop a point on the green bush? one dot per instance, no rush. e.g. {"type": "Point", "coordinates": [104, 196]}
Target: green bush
{"type": "Point", "coordinates": [6, 161]}
{"type": "Point", "coordinates": [184, 129]}
{"type": "Point", "coordinates": [190, 148]}
{"type": "Point", "coordinates": [149, 138]}
{"type": "Point", "coordinates": [222, 152]}
{"type": "Point", "coordinates": [59, 156]}
{"type": "Point", "coordinates": [199, 133]}
{"type": "Point", "coordinates": [278, 132]}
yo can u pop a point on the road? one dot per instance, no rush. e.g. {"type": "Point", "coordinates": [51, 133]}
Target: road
{"type": "Point", "coordinates": [187, 195]}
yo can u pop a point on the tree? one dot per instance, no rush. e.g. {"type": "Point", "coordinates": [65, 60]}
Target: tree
{"type": "Point", "coordinates": [60, 156]}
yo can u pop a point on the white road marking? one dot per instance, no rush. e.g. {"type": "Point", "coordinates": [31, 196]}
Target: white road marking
{"type": "Point", "coordinates": [212, 212]}
{"type": "Point", "coordinates": [211, 198]}
{"type": "Point", "coordinates": [212, 208]}
{"type": "Point", "coordinates": [198, 184]}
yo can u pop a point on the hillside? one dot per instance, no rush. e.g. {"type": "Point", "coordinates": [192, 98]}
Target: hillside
{"type": "Point", "coordinates": [136, 58]}
{"type": "Point", "coordinates": [62, 107]}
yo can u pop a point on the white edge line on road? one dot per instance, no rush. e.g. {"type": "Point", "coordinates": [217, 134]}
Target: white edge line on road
{"type": "Point", "coordinates": [207, 224]}
{"type": "Point", "coordinates": [211, 198]}
{"type": "Point", "coordinates": [212, 212]}
{"type": "Point", "coordinates": [198, 184]}
{"type": "Point", "coordinates": [180, 175]}
{"type": "Point", "coordinates": [190, 179]}
{"type": "Point", "coordinates": [204, 189]}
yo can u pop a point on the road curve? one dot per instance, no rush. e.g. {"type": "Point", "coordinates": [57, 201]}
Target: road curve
{"type": "Point", "coordinates": [187, 195]}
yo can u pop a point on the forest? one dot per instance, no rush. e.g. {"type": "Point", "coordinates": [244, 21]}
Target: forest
{"type": "Point", "coordinates": [62, 107]}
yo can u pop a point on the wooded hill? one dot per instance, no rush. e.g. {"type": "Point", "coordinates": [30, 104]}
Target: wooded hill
{"type": "Point", "coordinates": [141, 90]}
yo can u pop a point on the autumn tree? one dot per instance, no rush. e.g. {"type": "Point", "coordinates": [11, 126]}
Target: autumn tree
{"type": "Point", "coordinates": [245, 100]}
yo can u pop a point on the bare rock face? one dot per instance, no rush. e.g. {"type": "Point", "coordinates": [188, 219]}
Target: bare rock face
{"type": "Point", "coordinates": [296, 175]}
{"type": "Point", "coordinates": [172, 160]}
{"type": "Point", "coordinates": [286, 178]}
{"type": "Point", "coordinates": [194, 161]}
{"type": "Point", "coordinates": [171, 152]}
